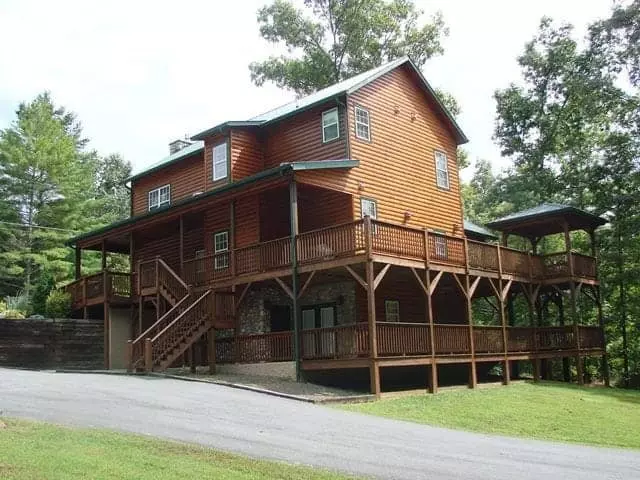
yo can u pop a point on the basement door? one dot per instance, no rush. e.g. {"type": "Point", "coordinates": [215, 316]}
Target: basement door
{"type": "Point", "coordinates": [319, 343]}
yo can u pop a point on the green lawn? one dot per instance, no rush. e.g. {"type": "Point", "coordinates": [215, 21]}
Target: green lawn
{"type": "Point", "coordinates": [548, 411]}
{"type": "Point", "coordinates": [30, 451]}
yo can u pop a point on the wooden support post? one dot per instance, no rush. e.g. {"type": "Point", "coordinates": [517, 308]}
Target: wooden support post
{"type": "Point", "coordinates": [211, 350]}
{"type": "Point", "coordinates": [468, 293]}
{"type": "Point", "coordinates": [500, 297]}
{"type": "Point", "coordinates": [104, 255]}
{"type": "Point", "coordinates": [106, 292]}
{"type": "Point", "coordinates": [148, 355]}
{"type": "Point", "coordinates": [576, 331]}
{"type": "Point", "coordinates": [374, 370]}
{"type": "Point", "coordinates": [192, 358]}
{"type": "Point", "coordinates": [78, 262]}
{"type": "Point", "coordinates": [129, 356]}
{"type": "Point", "coordinates": [294, 231]}
{"type": "Point", "coordinates": [433, 369]}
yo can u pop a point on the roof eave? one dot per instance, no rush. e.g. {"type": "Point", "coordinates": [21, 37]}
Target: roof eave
{"type": "Point", "coordinates": [163, 165]}
{"type": "Point", "coordinates": [224, 126]}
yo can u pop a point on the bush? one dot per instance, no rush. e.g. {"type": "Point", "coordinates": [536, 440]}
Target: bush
{"type": "Point", "coordinates": [3, 306]}
{"type": "Point", "coordinates": [43, 287]}
{"type": "Point", "coordinates": [58, 304]}
{"type": "Point", "coordinates": [12, 314]}
{"type": "Point", "coordinates": [19, 303]}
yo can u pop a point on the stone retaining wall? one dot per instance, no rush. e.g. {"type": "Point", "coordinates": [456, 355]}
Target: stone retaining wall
{"type": "Point", "coordinates": [52, 343]}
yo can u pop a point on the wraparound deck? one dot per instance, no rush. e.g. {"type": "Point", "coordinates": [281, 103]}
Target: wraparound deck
{"type": "Point", "coordinates": [347, 346]}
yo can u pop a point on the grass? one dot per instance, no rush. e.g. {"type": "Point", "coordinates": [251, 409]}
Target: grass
{"type": "Point", "coordinates": [546, 411]}
{"type": "Point", "coordinates": [30, 451]}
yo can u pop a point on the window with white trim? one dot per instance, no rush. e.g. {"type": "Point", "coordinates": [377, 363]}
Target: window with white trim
{"type": "Point", "coordinates": [440, 244]}
{"type": "Point", "coordinates": [159, 197]}
{"type": "Point", "coordinates": [392, 310]}
{"type": "Point", "coordinates": [363, 132]}
{"type": "Point", "coordinates": [330, 125]}
{"type": "Point", "coordinates": [369, 208]}
{"type": "Point", "coordinates": [220, 246]}
{"type": "Point", "coordinates": [220, 162]}
{"type": "Point", "coordinates": [442, 170]}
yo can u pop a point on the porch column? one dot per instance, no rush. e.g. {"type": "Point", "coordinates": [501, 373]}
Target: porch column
{"type": "Point", "coordinates": [293, 216]}
{"type": "Point", "coordinates": [78, 262]}
{"type": "Point", "coordinates": [468, 294]}
{"type": "Point", "coordinates": [500, 297]}
{"type": "Point", "coordinates": [374, 369]}
{"type": "Point", "coordinates": [433, 370]}
{"type": "Point", "coordinates": [104, 255]}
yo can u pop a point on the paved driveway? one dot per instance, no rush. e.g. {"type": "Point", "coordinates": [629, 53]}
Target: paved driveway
{"type": "Point", "coordinates": [270, 427]}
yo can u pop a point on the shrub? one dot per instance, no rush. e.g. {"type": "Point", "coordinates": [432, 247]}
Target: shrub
{"type": "Point", "coordinates": [58, 304]}
{"type": "Point", "coordinates": [19, 303]}
{"type": "Point", "coordinates": [43, 287]}
{"type": "Point", "coordinates": [15, 314]}
{"type": "Point", "coordinates": [3, 306]}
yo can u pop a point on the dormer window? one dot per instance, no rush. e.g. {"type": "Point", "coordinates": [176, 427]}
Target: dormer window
{"type": "Point", "coordinates": [330, 125]}
{"type": "Point", "coordinates": [159, 197]}
{"type": "Point", "coordinates": [220, 162]}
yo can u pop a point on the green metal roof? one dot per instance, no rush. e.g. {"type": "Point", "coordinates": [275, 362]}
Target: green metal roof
{"type": "Point", "coordinates": [193, 149]}
{"type": "Point", "coordinates": [545, 210]}
{"type": "Point", "coordinates": [476, 229]}
{"type": "Point", "coordinates": [272, 172]}
{"type": "Point", "coordinates": [347, 86]}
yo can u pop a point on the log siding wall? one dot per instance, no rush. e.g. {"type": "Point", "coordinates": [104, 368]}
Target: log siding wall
{"type": "Point", "coordinates": [185, 178]}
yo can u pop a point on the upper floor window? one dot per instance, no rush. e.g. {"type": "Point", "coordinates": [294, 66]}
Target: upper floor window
{"type": "Point", "coordinates": [442, 170]}
{"type": "Point", "coordinates": [330, 125]}
{"type": "Point", "coordinates": [392, 310]}
{"type": "Point", "coordinates": [160, 197]}
{"type": "Point", "coordinates": [220, 162]}
{"type": "Point", "coordinates": [362, 124]}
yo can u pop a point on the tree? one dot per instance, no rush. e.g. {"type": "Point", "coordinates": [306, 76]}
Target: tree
{"type": "Point", "coordinates": [46, 178]}
{"type": "Point", "coordinates": [571, 131]}
{"type": "Point", "coordinates": [330, 40]}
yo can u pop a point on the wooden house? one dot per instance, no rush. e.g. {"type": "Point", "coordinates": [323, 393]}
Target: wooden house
{"type": "Point", "coordinates": [329, 234]}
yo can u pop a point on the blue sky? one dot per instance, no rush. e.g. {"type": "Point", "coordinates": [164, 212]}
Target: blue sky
{"type": "Point", "coordinates": [140, 74]}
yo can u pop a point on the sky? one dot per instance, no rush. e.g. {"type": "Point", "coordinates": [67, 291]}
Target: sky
{"type": "Point", "coordinates": [140, 74]}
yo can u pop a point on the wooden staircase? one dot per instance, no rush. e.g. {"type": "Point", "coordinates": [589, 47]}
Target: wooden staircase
{"type": "Point", "coordinates": [189, 318]}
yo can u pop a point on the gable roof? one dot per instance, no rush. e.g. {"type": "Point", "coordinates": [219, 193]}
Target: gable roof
{"type": "Point", "coordinates": [347, 86]}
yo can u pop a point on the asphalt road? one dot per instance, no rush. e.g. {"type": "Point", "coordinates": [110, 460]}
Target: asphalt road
{"type": "Point", "coordinates": [269, 427]}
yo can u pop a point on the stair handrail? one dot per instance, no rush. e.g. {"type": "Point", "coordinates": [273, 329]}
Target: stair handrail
{"type": "Point", "coordinates": [170, 270]}
{"type": "Point", "coordinates": [145, 334]}
{"type": "Point", "coordinates": [179, 317]}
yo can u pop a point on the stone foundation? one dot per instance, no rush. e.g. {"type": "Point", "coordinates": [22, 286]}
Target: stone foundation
{"type": "Point", "coordinates": [254, 313]}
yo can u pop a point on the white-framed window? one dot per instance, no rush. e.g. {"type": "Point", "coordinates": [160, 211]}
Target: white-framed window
{"type": "Point", "coordinates": [440, 244]}
{"type": "Point", "coordinates": [330, 125]}
{"type": "Point", "coordinates": [442, 170]}
{"type": "Point", "coordinates": [159, 197]}
{"type": "Point", "coordinates": [363, 131]}
{"type": "Point", "coordinates": [392, 310]}
{"type": "Point", "coordinates": [368, 207]}
{"type": "Point", "coordinates": [220, 161]}
{"type": "Point", "coordinates": [221, 245]}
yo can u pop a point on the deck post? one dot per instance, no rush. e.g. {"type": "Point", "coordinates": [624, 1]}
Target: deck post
{"type": "Point", "coordinates": [473, 375]}
{"type": "Point", "coordinates": [129, 356]}
{"type": "Point", "coordinates": [104, 255]}
{"type": "Point", "coordinates": [576, 332]}
{"type": "Point", "coordinates": [78, 262]}
{"type": "Point", "coordinates": [500, 297]}
{"type": "Point", "coordinates": [293, 214]}
{"type": "Point", "coordinates": [106, 293]}
{"type": "Point", "coordinates": [433, 369]}
{"type": "Point", "coordinates": [211, 350]}
{"type": "Point", "coordinates": [148, 355]}
{"type": "Point", "coordinates": [374, 369]}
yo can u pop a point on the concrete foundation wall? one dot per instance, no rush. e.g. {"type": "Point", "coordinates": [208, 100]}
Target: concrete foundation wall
{"type": "Point", "coordinates": [275, 369]}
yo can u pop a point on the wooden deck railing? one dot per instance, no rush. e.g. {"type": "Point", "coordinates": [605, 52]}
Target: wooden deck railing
{"type": "Point", "coordinates": [265, 347]}
{"type": "Point", "coordinates": [404, 339]}
{"type": "Point", "coordinates": [350, 239]}
{"type": "Point", "coordinates": [99, 287]}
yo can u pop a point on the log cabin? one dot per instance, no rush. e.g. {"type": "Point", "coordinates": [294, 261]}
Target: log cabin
{"type": "Point", "coordinates": [327, 236]}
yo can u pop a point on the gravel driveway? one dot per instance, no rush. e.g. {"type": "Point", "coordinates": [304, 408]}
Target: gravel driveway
{"type": "Point", "coordinates": [269, 427]}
